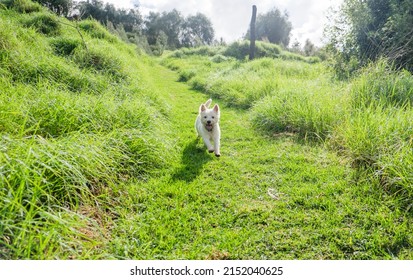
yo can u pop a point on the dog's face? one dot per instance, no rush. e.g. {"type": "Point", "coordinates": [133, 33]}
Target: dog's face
{"type": "Point", "coordinates": [209, 117]}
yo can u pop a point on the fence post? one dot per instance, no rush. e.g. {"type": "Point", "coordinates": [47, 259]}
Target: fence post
{"type": "Point", "coordinates": [252, 32]}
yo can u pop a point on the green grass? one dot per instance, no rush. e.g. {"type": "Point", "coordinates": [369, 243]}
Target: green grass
{"type": "Point", "coordinates": [75, 121]}
{"type": "Point", "coordinates": [99, 158]}
{"type": "Point", "coordinates": [208, 208]}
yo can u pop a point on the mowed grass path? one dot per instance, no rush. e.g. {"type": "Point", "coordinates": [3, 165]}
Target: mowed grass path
{"type": "Point", "coordinates": [266, 197]}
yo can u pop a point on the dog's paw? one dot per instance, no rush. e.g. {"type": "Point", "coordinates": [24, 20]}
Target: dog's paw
{"type": "Point", "coordinates": [217, 155]}
{"type": "Point", "coordinates": [210, 151]}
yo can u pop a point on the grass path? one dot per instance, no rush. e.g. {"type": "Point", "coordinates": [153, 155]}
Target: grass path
{"type": "Point", "coordinates": [264, 198]}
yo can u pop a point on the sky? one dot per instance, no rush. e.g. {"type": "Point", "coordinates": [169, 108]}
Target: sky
{"type": "Point", "coordinates": [231, 18]}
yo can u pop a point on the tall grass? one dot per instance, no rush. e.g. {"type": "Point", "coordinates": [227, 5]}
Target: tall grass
{"type": "Point", "coordinates": [73, 125]}
{"type": "Point", "coordinates": [369, 120]}
{"type": "Point", "coordinates": [242, 84]}
{"type": "Point", "coordinates": [311, 115]}
{"type": "Point", "coordinates": [377, 130]}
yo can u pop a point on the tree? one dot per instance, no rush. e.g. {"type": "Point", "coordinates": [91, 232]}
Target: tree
{"type": "Point", "coordinates": [197, 30]}
{"type": "Point", "coordinates": [365, 30]}
{"type": "Point", "coordinates": [130, 19]}
{"type": "Point", "coordinates": [180, 32]}
{"type": "Point", "coordinates": [152, 27]}
{"type": "Point", "coordinates": [60, 7]}
{"type": "Point", "coordinates": [94, 9]}
{"type": "Point", "coordinates": [274, 27]}
{"type": "Point", "coordinates": [309, 48]}
{"type": "Point", "coordinates": [169, 23]}
{"type": "Point", "coordinates": [252, 32]}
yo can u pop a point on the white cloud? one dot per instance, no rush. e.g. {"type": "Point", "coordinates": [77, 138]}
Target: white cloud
{"type": "Point", "coordinates": [231, 18]}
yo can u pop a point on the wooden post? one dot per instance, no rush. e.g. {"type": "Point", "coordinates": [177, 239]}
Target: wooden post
{"type": "Point", "coordinates": [252, 32]}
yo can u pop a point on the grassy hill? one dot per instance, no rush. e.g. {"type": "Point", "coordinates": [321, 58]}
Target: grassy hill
{"type": "Point", "coordinates": [78, 116]}
{"type": "Point", "coordinates": [99, 158]}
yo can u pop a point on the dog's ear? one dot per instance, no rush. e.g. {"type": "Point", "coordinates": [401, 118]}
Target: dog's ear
{"type": "Point", "coordinates": [216, 108]}
{"type": "Point", "coordinates": [202, 108]}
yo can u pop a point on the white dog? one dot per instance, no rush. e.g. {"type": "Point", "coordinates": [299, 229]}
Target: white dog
{"type": "Point", "coordinates": [207, 126]}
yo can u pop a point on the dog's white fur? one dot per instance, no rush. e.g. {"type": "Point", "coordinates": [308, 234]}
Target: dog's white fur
{"type": "Point", "coordinates": [207, 127]}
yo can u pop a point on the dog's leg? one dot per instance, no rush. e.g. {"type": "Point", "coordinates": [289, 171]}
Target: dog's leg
{"type": "Point", "coordinates": [208, 145]}
{"type": "Point", "coordinates": [216, 146]}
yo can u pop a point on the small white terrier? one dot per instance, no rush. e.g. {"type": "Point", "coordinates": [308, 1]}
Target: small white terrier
{"type": "Point", "coordinates": [207, 126]}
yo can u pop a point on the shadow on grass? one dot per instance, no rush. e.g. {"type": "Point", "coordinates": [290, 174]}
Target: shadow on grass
{"type": "Point", "coordinates": [193, 159]}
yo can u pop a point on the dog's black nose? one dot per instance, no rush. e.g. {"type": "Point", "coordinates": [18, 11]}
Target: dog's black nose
{"type": "Point", "coordinates": [208, 122]}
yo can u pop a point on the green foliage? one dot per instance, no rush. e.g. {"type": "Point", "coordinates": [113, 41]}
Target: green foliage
{"type": "Point", "coordinates": [273, 26]}
{"type": "Point", "coordinates": [239, 84]}
{"type": "Point", "coordinates": [195, 30]}
{"type": "Point", "coordinates": [100, 60]}
{"type": "Point", "coordinates": [59, 7]}
{"type": "Point", "coordinates": [108, 13]}
{"type": "Point", "coordinates": [365, 31]}
{"type": "Point", "coordinates": [376, 131]}
{"type": "Point", "coordinates": [240, 50]}
{"type": "Point", "coordinates": [310, 115]}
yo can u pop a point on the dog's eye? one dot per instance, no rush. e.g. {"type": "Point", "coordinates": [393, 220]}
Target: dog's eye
{"type": "Point", "coordinates": [213, 117]}
{"type": "Point", "coordinates": [205, 117]}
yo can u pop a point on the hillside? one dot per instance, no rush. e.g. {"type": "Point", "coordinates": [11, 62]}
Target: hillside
{"type": "Point", "coordinates": [99, 158]}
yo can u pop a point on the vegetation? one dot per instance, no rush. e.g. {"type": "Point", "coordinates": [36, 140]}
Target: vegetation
{"type": "Point", "coordinates": [99, 158]}
{"type": "Point", "coordinates": [76, 119]}
{"type": "Point", "coordinates": [365, 31]}
{"type": "Point", "coordinates": [274, 27]}
{"type": "Point", "coordinates": [365, 121]}
{"type": "Point", "coordinates": [155, 33]}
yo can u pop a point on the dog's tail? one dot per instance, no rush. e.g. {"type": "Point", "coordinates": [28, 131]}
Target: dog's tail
{"type": "Point", "coordinates": [209, 101]}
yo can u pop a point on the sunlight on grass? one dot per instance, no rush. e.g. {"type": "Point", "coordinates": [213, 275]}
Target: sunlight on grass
{"type": "Point", "coordinates": [99, 158]}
